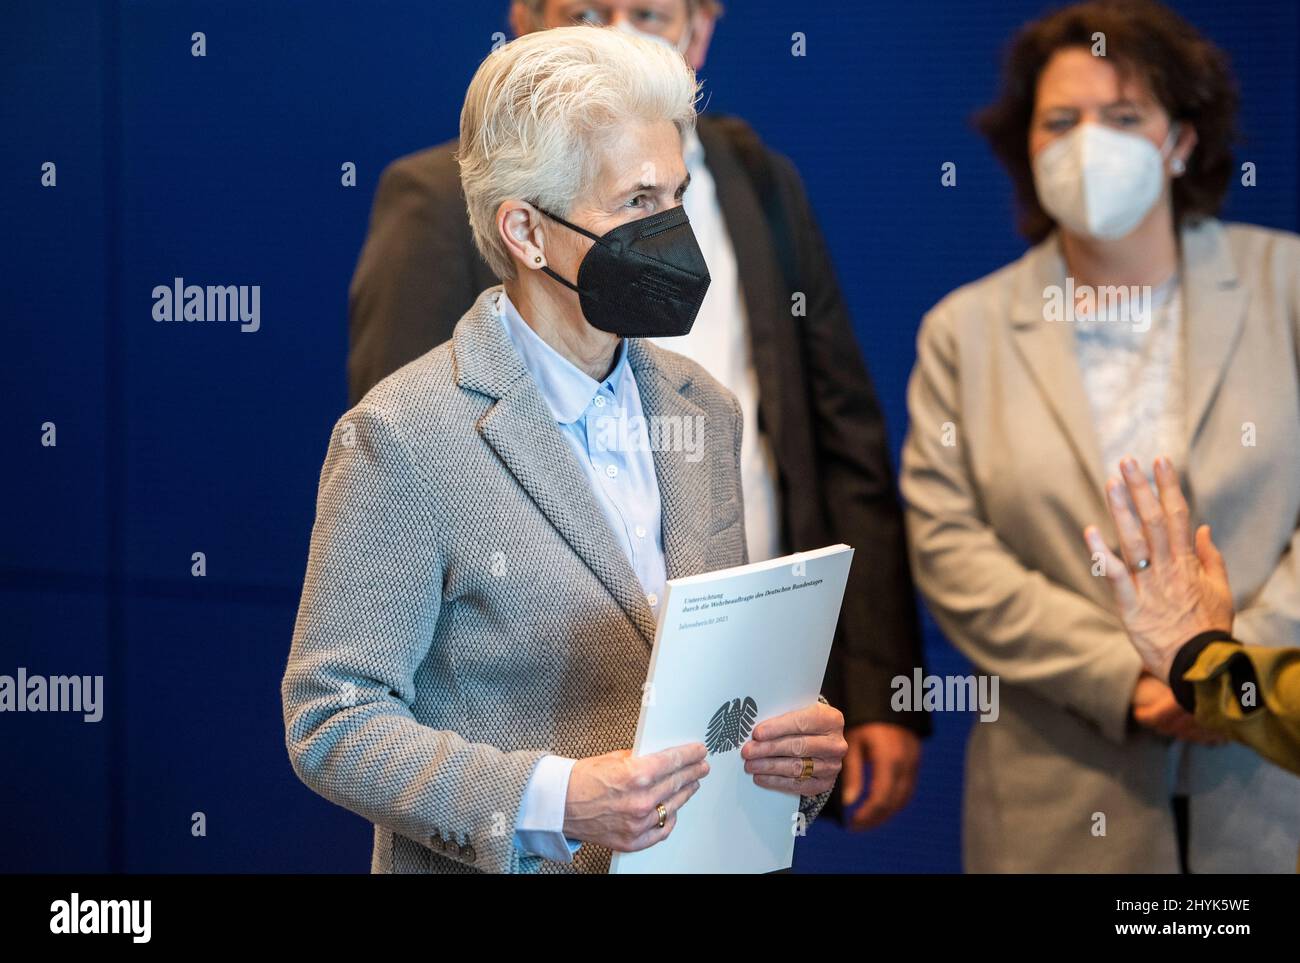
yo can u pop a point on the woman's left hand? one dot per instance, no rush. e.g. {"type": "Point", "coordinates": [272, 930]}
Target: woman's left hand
{"type": "Point", "coordinates": [1182, 590]}
{"type": "Point", "coordinates": [778, 747]}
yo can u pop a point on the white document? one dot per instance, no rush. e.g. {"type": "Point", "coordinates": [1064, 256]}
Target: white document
{"type": "Point", "coordinates": [735, 647]}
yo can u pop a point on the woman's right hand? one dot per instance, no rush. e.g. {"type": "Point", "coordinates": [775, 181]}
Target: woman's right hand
{"type": "Point", "coordinates": [613, 799]}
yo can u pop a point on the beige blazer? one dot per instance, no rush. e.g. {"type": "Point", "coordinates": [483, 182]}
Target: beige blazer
{"type": "Point", "coordinates": [1002, 469]}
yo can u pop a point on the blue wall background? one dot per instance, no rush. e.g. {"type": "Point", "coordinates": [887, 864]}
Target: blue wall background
{"type": "Point", "coordinates": [174, 439]}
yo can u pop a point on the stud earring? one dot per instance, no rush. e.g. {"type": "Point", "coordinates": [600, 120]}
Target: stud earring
{"type": "Point", "coordinates": [1177, 166]}
{"type": "Point", "coordinates": [538, 259]}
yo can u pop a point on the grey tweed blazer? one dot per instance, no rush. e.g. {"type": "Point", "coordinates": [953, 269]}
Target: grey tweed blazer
{"type": "Point", "coordinates": [466, 608]}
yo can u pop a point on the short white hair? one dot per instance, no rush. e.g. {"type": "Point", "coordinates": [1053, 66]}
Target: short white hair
{"type": "Point", "coordinates": [538, 109]}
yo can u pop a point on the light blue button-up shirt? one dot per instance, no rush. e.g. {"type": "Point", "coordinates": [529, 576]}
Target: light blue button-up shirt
{"type": "Point", "coordinates": [606, 429]}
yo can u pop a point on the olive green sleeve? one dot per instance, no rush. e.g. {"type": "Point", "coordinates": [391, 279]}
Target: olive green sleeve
{"type": "Point", "coordinates": [1251, 694]}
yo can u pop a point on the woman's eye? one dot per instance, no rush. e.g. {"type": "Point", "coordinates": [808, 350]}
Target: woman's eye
{"type": "Point", "coordinates": [1057, 124]}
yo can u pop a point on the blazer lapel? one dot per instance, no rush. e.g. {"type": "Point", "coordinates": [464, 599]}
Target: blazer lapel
{"type": "Point", "coordinates": [1048, 351]}
{"type": "Point", "coordinates": [1214, 308]}
{"type": "Point", "coordinates": [521, 429]}
{"type": "Point", "coordinates": [680, 467]}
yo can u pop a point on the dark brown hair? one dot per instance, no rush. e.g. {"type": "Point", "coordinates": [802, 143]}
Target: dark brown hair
{"type": "Point", "coordinates": [1187, 74]}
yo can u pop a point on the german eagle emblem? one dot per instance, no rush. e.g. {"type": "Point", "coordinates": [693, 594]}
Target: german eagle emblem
{"type": "Point", "coordinates": [731, 725]}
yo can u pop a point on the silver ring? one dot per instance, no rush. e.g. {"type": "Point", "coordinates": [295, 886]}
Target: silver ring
{"type": "Point", "coordinates": [1142, 564]}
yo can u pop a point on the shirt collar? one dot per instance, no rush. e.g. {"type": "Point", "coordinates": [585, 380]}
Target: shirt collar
{"type": "Point", "coordinates": [566, 388]}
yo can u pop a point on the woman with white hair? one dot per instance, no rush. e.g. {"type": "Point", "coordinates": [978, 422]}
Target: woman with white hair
{"type": "Point", "coordinates": [485, 567]}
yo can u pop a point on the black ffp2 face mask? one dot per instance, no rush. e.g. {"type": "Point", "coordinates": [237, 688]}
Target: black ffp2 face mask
{"type": "Point", "coordinates": [643, 279]}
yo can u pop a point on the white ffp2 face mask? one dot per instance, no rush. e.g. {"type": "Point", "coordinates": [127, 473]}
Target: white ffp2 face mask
{"type": "Point", "coordinates": [1101, 182]}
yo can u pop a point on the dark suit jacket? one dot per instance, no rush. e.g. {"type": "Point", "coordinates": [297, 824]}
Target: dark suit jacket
{"type": "Point", "coordinates": [419, 272]}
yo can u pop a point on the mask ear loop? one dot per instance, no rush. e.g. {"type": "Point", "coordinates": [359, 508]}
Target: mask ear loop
{"type": "Point", "coordinates": [546, 268]}
{"type": "Point", "coordinates": [1176, 165]}
{"type": "Point", "coordinates": [571, 227]}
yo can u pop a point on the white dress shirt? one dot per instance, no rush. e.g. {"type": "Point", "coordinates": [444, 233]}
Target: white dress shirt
{"type": "Point", "coordinates": [719, 343]}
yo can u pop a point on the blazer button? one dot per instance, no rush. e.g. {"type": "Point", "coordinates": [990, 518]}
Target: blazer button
{"type": "Point", "coordinates": [467, 852]}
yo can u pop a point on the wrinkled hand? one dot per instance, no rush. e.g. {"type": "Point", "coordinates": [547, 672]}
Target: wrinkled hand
{"type": "Point", "coordinates": [1184, 591]}
{"type": "Point", "coordinates": [612, 798]}
{"type": "Point", "coordinates": [893, 754]}
{"type": "Point", "coordinates": [777, 747]}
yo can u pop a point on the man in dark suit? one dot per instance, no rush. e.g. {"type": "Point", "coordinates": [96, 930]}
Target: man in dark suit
{"type": "Point", "coordinates": [774, 329]}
